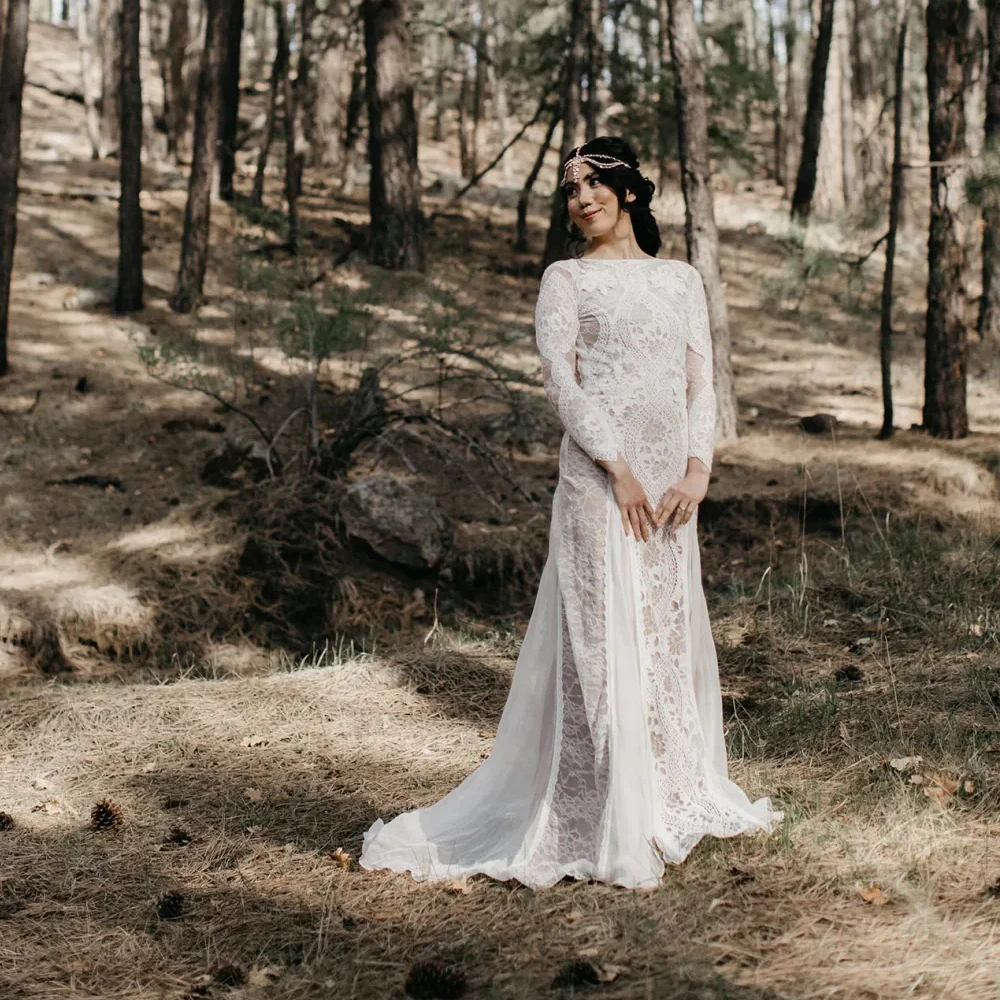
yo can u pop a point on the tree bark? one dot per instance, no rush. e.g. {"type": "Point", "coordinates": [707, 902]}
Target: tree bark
{"type": "Point", "coordinates": [12, 55]}
{"type": "Point", "coordinates": [279, 70]}
{"type": "Point", "coordinates": [84, 15]}
{"type": "Point", "coordinates": [175, 85]}
{"type": "Point", "coordinates": [128, 295]}
{"type": "Point", "coordinates": [291, 161]}
{"type": "Point", "coordinates": [230, 113]}
{"type": "Point", "coordinates": [776, 114]}
{"type": "Point", "coordinates": [396, 236]}
{"type": "Point", "coordinates": [194, 244]}
{"type": "Point", "coordinates": [989, 304]}
{"type": "Point", "coordinates": [521, 232]}
{"type": "Point", "coordinates": [595, 66]}
{"type": "Point", "coordinates": [111, 74]}
{"type": "Point", "coordinates": [895, 200]}
{"type": "Point", "coordinates": [304, 86]}
{"type": "Point", "coordinates": [666, 125]}
{"type": "Point", "coordinates": [946, 341]}
{"type": "Point", "coordinates": [478, 93]}
{"type": "Point", "coordinates": [793, 111]}
{"type": "Point", "coordinates": [700, 230]}
{"type": "Point", "coordinates": [556, 238]}
{"type": "Point", "coordinates": [805, 185]}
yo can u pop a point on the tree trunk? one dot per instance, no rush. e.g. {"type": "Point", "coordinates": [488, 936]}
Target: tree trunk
{"type": "Point", "coordinates": [175, 89]}
{"type": "Point", "coordinates": [396, 237]}
{"type": "Point", "coordinates": [989, 304]}
{"type": "Point", "coordinates": [595, 66]}
{"type": "Point", "coordinates": [776, 115]}
{"type": "Point", "coordinates": [128, 295]}
{"type": "Point", "coordinates": [946, 339]}
{"type": "Point", "coordinates": [279, 71]}
{"type": "Point", "coordinates": [15, 47]}
{"type": "Point", "coordinates": [331, 105]}
{"type": "Point", "coordinates": [464, 132]}
{"type": "Point", "coordinates": [895, 199]}
{"type": "Point", "coordinates": [666, 124]}
{"type": "Point", "coordinates": [304, 87]}
{"type": "Point", "coordinates": [291, 161]}
{"type": "Point", "coordinates": [194, 245]}
{"type": "Point", "coordinates": [805, 185]}
{"type": "Point", "coordinates": [478, 94]}
{"type": "Point", "coordinates": [556, 238]}
{"type": "Point", "coordinates": [230, 113]}
{"type": "Point", "coordinates": [521, 233]}
{"type": "Point", "coordinates": [151, 145]}
{"type": "Point", "coordinates": [793, 109]}
{"type": "Point", "coordinates": [700, 230]}
{"type": "Point", "coordinates": [111, 74]}
{"type": "Point", "coordinates": [84, 15]}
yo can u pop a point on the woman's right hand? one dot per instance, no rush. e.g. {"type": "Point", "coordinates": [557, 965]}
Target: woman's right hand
{"type": "Point", "coordinates": [633, 505]}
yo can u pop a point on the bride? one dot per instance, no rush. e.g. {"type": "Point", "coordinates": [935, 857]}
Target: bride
{"type": "Point", "coordinates": [609, 758]}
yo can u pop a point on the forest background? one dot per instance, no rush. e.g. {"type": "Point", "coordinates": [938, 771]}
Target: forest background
{"type": "Point", "coordinates": [276, 470]}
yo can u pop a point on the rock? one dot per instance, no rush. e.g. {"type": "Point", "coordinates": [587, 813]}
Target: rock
{"type": "Point", "coordinates": [90, 298]}
{"type": "Point", "coordinates": [395, 520]}
{"type": "Point", "coordinates": [818, 423]}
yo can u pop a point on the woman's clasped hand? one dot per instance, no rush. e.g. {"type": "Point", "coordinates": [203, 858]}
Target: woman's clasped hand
{"type": "Point", "coordinates": [676, 506]}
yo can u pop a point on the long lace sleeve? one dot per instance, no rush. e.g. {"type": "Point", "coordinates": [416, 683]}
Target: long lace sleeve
{"type": "Point", "coordinates": [557, 326]}
{"type": "Point", "coordinates": [698, 369]}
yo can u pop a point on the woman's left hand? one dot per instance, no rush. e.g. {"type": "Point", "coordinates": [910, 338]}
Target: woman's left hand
{"type": "Point", "coordinates": [678, 504]}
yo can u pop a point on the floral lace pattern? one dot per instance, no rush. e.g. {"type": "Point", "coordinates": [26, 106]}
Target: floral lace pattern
{"type": "Point", "coordinates": [610, 756]}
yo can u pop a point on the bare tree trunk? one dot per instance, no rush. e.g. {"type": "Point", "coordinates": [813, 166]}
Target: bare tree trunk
{"type": "Point", "coordinates": [111, 74]}
{"type": "Point", "coordinates": [895, 199]}
{"type": "Point", "coordinates": [128, 295]}
{"type": "Point", "coordinates": [194, 245]}
{"type": "Point", "coordinates": [478, 93]}
{"type": "Point", "coordinates": [464, 132]}
{"type": "Point", "coordinates": [776, 115]}
{"type": "Point", "coordinates": [304, 88]}
{"type": "Point", "coordinates": [805, 185]}
{"type": "Point", "coordinates": [666, 124]}
{"type": "Point", "coordinates": [793, 109]}
{"type": "Point", "coordinates": [394, 192]}
{"type": "Point", "coordinates": [230, 113]}
{"type": "Point", "coordinates": [946, 341]}
{"type": "Point", "coordinates": [331, 105]}
{"type": "Point", "coordinates": [12, 55]}
{"type": "Point", "coordinates": [989, 304]}
{"type": "Point", "coordinates": [84, 14]}
{"type": "Point", "coordinates": [175, 85]}
{"type": "Point", "coordinates": [595, 66]}
{"type": "Point", "coordinates": [356, 105]}
{"type": "Point", "coordinates": [700, 230]}
{"type": "Point", "coordinates": [521, 233]}
{"type": "Point", "coordinates": [279, 71]}
{"type": "Point", "coordinates": [291, 161]}
{"type": "Point", "coordinates": [555, 240]}
{"type": "Point", "coordinates": [848, 161]}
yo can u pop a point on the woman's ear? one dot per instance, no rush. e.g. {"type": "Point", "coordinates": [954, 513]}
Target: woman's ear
{"type": "Point", "coordinates": [629, 196]}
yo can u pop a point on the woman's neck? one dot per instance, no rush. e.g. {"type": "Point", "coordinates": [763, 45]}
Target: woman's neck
{"type": "Point", "coordinates": [618, 244]}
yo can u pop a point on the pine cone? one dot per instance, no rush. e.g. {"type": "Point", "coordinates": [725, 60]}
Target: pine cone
{"type": "Point", "coordinates": [435, 981]}
{"type": "Point", "coordinates": [170, 906]}
{"type": "Point", "coordinates": [105, 816]}
{"type": "Point", "coordinates": [229, 975]}
{"type": "Point", "coordinates": [576, 974]}
{"type": "Point", "coordinates": [6, 822]}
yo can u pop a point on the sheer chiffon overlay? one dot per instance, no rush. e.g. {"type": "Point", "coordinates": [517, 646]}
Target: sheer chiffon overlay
{"type": "Point", "coordinates": [609, 758]}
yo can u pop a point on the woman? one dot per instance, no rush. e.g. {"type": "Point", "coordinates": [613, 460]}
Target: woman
{"type": "Point", "coordinates": [609, 759]}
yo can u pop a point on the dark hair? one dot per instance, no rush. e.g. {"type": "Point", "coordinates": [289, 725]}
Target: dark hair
{"type": "Point", "coordinates": [622, 180]}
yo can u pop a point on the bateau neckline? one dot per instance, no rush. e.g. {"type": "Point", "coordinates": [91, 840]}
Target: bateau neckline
{"type": "Point", "coordinates": [617, 260]}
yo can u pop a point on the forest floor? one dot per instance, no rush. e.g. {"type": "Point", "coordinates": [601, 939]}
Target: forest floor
{"type": "Point", "coordinates": [852, 585]}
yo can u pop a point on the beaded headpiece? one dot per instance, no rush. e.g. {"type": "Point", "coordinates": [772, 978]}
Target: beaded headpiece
{"type": "Point", "coordinates": [599, 160]}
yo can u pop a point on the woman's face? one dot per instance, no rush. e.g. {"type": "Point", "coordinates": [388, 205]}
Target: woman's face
{"type": "Point", "coordinates": [593, 206]}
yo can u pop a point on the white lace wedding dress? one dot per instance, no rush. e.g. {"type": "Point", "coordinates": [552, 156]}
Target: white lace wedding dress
{"type": "Point", "coordinates": [609, 758]}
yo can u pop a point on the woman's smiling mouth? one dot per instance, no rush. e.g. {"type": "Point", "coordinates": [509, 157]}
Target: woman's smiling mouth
{"type": "Point", "coordinates": [587, 216]}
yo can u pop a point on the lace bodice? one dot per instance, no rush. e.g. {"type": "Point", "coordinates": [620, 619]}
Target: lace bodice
{"type": "Point", "coordinates": [627, 359]}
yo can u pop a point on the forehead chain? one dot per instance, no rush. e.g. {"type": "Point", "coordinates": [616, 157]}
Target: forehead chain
{"type": "Point", "coordinates": [599, 160]}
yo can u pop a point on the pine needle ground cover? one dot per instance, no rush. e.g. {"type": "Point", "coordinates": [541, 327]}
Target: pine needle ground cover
{"type": "Point", "coordinates": [200, 838]}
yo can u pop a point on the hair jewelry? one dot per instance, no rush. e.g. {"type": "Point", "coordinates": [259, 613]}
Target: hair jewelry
{"type": "Point", "coordinates": [599, 160]}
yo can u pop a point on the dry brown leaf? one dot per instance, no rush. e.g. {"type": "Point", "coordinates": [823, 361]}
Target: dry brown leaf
{"type": "Point", "coordinates": [905, 763]}
{"type": "Point", "coordinates": [573, 916]}
{"type": "Point", "coordinates": [609, 973]}
{"type": "Point", "coordinates": [588, 952]}
{"type": "Point", "coordinates": [459, 885]}
{"type": "Point", "coordinates": [969, 787]}
{"type": "Point", "coordinates": [341, 857]}
{"type": "Point", "coordinates": [874, 895]}
{"type": "Point", "coordinates": [254, 741]}
{"type": "Point", "coordinates": [50, 806]}
{"type": "Point", "coordinates": [253, 794]}
{"type": "Point", "coordinates": [916, 779]}
{"type": "Point", "coordinates": [486, 736]}
{"type": "Point", "coordinates": [263, 975]}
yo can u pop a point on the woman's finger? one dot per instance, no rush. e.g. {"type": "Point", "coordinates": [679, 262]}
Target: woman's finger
{"type": "Point", "coordinates": [624, 516]}
{"type": "Point", "coordinates": [649, 512]}
{"type": "Point", "coordinates": [636, 523]}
